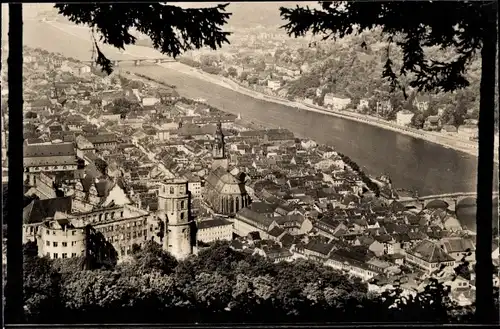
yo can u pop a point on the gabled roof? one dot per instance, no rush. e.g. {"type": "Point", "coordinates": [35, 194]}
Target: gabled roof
{"type": "Point", "coordinates": [39, 210]}
{"type": "Point", "coordinates": [430, 252]}
{"type": "Point", "coordinates": [47, 150]}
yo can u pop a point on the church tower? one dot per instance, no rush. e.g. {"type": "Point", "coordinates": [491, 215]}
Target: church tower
{"type": "Point", "coordinates": [219, 149]}
{"type": "Point", "coordinates": [174, 208]}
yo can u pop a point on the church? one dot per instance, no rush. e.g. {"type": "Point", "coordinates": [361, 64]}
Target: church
{"type": "Point", "coordinates": [225, 193]}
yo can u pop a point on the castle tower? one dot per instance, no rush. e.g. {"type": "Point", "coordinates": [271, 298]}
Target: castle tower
{"type": "Point", "coordinates": [219, 149]}
{"type": "Point", "coordinates": [174, 207]}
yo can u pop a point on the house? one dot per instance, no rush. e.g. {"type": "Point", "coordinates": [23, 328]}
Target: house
{"type": "Point", "coordinates": [247, 221]}
{"type": "Point", "coordinates": [150, 101]}
{"type": "Point", "coordinates": [274, 84]}
{"type": "Point", "coordinates": [336, 103]}
{"type": "Point", "coordinates": [103, 141]}
{"type": "Point", "coordinates": [459, 248]}
{"type": "Point", "coordinates": [215, 229]}
{"type": "Point", "coordinates": [403, 118]}
{"type": "Point", "coordinates": [433, 123]}
{"type": "Point", "coordinates": [428, 256]}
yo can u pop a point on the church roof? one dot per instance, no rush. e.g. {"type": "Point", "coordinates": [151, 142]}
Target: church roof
{"type": "Point", "coordinates": [430, 252]}
{"type": "Point", "coordinates": [224, 182]}
{"type": "Point", "coordinates": [39, 210]}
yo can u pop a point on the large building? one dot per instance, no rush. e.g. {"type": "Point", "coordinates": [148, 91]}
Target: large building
{"type": "Point", "coordinates": [174, 211]}
{"type": "Point", "coordinates": [48, 158]}
{"type": "Point", "coordinates": [225, 193]}
{"type": "Point", "coordinates": [216, 229]}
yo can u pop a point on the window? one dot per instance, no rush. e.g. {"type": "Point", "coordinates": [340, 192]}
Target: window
{"type": "Point", "coordinates": [171, 190]}
{"type": "Point", "coordinates": [100, 217]}
{"type": "Point", "coordinates": [48, 243]}
{"type": "Point", "coordinates": [64, 244]}
{"type": "Point", "coordinates": [54, 244]}
{"type": "Point", "coordinates": [56, 255]}
{"type": "Point", "coordinates": [73, 232]}
{"type": "Point", "coordinates": [64, 255]}
{"type": "Point", "coordinates": [182, 215]}
{"type": "Point", "coordinates": [48, 232]}
{"type": "Point", "coordinates": [121, 214]}
{"type": "Point", "coordinates": [53, 232]}
{"type": "Point", "coordinates": [182, 204]}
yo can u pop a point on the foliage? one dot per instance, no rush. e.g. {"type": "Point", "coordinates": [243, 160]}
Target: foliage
{"type": "Point", "coordinates": [150, 258]}
{"type": "Point", "coordinates": [40, 285]}
{"type": "Point", "coordinates": [222, 285]}
{"type": "Point", "coordinates": [172, 29]}
{"type": "Point", "coordinates": [418, 120]}
{"type": "Point", "coordinates": [189, 62]}
{"type": "Point", "coordinates": [461, 31]}
{"type": "Point", "coordinates": [364, 178]}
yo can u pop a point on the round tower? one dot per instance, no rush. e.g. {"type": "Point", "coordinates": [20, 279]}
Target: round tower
{"type": "Point", "coordinates": [173, 205]}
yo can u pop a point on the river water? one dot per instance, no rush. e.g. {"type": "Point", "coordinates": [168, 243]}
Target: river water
{"type": "Point", "coordinates": [411, 163]}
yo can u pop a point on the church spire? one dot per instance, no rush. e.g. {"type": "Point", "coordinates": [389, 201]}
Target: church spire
{"type": "Point", "coordinates": [219, 149]}
{"type": "Point", "coordinates": [219, 146]}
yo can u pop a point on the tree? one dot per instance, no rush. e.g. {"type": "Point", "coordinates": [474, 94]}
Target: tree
{"type": "Point", "coordinates": [232, 72]}
{"type": "Point", "coordinates": [243, 76]}
{"type": "Point", "coordinates": [418, 120]}
{"type": "Point", "coordinates": [40, 285]}
{"type": "Point", "coordinates": [464, 27]}
{"type": "Point", "coordinates": [151, 257]}
{"type": "Point", "coordinates": [172, 29]}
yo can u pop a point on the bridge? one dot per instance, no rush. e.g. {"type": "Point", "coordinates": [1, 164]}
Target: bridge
{"type": "Point", "coordinates": [138, 61]}
{"type": "Point", "coordinates": [452, 199]}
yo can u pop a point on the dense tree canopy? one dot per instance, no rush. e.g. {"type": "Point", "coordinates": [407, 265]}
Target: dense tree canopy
{"type": "Point", "coordinates": [218, 285]}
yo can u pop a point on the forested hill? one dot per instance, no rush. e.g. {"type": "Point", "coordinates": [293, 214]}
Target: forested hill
{"type": "Point", "coordinates": [352, 67]}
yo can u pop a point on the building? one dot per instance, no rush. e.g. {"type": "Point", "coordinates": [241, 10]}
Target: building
{"type": "Point", "coordinates": [428, 256]}
{"type": "Point", "coordinates": [103, 141]}
{"type": "Point", "coordinates": [403, 118]}
{"type": "Point", "coordinates": [174, 210]}
{"type": "Point", "coordinates": [274, 84]}
{"type": "Point", "coordinates": [225, 193]}
{"type": "Point", "coordinates": [59, 238]}
{"type": "Point", "coordinates": [48, 158]}
{"type": "Point", "coordinates": [433, 123]}
{"type": "Point", "coordinates": [83, 146]}
{"type": "Point", "coordinates": [214, 230]}
{"type": "Point", "coordinates": [336, 103]}
{"type": "Point", "coordinates": [247, 221]}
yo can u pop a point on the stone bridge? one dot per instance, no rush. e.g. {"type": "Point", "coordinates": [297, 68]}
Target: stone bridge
{"type": "Point", "coordinates": [138, 61]}
{"type": "Point", "coordinates": [452, 199]}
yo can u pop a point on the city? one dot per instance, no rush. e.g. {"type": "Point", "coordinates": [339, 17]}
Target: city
{"type": "Point", "coordinates": [139, 173]}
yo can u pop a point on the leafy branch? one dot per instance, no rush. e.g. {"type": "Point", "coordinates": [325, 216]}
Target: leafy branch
{"type": "Point", "coordinates": [173, 30]}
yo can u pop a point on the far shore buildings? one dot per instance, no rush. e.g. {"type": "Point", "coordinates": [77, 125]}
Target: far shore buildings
{"type": "Point", "coordinates": [403, 118]}
{"type": "Point", "coordinates": [336, 103]}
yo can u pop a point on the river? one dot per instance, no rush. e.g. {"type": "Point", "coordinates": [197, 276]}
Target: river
{"type": "Point", "coordinates": [410, 162]}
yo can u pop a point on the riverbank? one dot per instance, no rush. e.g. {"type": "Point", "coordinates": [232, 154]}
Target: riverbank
{"type": "Point", "coordinates": [433, 137]}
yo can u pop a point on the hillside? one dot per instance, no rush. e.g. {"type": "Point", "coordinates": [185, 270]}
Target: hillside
{"type": "Point", "coordinates": [348, 69]}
